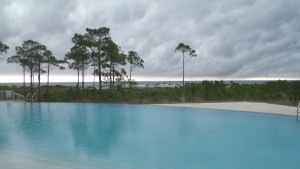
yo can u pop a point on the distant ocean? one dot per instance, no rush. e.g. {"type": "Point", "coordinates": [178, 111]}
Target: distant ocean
{"type": "Point", "coordinates": [142, 83]}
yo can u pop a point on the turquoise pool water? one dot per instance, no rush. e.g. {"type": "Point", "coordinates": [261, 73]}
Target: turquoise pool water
{"type": "Point", "coordinates": [141, 136]}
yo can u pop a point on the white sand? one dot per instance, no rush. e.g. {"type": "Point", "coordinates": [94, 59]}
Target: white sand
{"type": "Point", "coordinates": [242, 106]}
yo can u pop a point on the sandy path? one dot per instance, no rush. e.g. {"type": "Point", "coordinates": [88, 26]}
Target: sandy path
{"type": "Point", "coordinates": [242, 106]}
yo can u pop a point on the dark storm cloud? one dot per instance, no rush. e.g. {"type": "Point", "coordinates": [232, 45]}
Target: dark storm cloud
{"type": "Point", "coordinates": [233, 38]}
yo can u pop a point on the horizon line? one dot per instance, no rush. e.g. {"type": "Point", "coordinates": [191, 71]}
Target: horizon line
{"type": "Point", "coordinates": [12, 79]}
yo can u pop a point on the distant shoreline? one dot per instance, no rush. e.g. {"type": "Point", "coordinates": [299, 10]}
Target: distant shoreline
{"type": "Point", "coordinates": [145, 83]}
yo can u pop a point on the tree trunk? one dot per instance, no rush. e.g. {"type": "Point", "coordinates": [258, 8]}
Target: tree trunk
{"type": "Point", "coordinates": [24, 81]}
{"type": "Point", "coordinates": [100, 82]}
{"type": "Point", "coordinates": [39, 82]}
{"type": "Point", "coordinates": [113, 78]}
{"type": "Point", "coordinates": [48, 72]}
{"type": "Point", "coordinates": [110, 81]}
{"type": "Point", "coordinates": [130, 83]}
{"type": "Point", "coordinates": [100, 76]}
{"type": "Point", "coordinates": [94, 77]}
{"type": "Point", "coordinates": [78, 72]}
{"type": "Point", "coordinates": [82, 81]}
{"type": "Point", "coordinates": [183, 69]}
{"type": "Point", "coordinates": [31, 81]}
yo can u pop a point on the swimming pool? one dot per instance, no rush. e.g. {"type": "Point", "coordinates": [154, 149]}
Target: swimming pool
{"type": "Point", "coordinates": [145, 136]}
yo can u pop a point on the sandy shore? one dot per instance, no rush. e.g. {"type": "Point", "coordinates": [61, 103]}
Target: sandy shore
{"type": "Point", "coordinates": [242, 106]}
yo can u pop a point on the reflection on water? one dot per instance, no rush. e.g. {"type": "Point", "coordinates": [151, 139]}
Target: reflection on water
{"type": "Point", "coordinates": [147, 136]}
{"type": "Point", "coordinates": [62, 129]}
{"type": "Point", "coordinates": [97, 132]}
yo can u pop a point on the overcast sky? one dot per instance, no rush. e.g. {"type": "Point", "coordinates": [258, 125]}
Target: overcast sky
{"type": "Point", "coordinates": [234, 39]}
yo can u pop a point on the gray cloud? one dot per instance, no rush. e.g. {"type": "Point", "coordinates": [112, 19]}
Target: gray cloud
{"type": "Point", "coordinates": [233, 38]}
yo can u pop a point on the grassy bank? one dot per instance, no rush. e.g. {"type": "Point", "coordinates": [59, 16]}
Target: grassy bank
{"type": "Point", "coordinates": [280, 92]}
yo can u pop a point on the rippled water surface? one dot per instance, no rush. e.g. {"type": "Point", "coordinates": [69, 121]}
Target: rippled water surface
{"type": "Point", "coordinates": [140, 136]}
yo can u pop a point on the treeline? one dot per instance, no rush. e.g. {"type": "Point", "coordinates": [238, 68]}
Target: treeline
{"type": "Point", "coordinates": [280, 92]}
{"type": "Point", "coordinates": [94, 49]}
{"type": "Point", "coordinates": [35, 59]}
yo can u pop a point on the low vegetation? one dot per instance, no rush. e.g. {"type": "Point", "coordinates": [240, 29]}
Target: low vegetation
{"type": "Point", "coordinates": [279, 92]}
